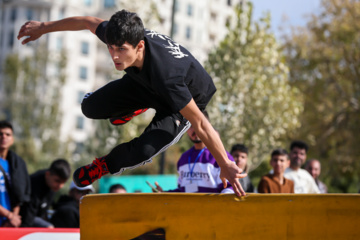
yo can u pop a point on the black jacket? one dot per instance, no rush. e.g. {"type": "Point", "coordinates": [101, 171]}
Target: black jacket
{"type": "Point", "coordinates": [41, 199]}
{"type": "Point", "coordinates": [66, 213]}
{"type": "Point", "coordinates": [20, 180]}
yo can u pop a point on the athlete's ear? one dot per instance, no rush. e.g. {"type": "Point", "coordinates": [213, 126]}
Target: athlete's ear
{"type": "Point", "coordinates": [141, 46]}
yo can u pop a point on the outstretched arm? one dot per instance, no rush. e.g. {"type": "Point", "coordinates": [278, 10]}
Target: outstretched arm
{"type": "Point", "coordinates": [211, 138]}
{"type": "Point", "coordinates": [33, 29]}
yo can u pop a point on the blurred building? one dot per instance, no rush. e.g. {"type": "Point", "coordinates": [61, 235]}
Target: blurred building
{"type": "Point", "coordinates": [198, 25]}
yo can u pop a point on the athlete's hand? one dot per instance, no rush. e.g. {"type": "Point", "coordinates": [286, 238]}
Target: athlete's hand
{"type": "Point", "coordinates": [231, 172]}
{"type": "Point", "coordinates": [32, 30]}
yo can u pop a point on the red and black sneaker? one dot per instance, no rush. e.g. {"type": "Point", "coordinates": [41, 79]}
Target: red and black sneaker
{"type": "Point", "coordinates": [124, 119]}
{"type": "Point", "coordinates": [86, 175]}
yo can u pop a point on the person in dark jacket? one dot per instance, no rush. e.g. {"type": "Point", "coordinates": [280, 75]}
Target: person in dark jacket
{"type": "Point", "coordinates": [67, 213]}
{"type": "Point", "coordinates": [44, 184]}
{"type": "Point", "coordinates": [14, 179]}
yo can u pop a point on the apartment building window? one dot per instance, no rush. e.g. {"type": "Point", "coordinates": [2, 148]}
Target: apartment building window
{"type": "Point", "coordinates": [59, 43]}
{"type": "Point", "coordinates": [189, 10]}
{"type": "Point", "coordinates": [57, 67]}
{"type": "Point", "coordinates": [175, 29]}
{"type": "Point", "coordinates": [85, 48]}
{"type": "Point", "coordinates": [177, 6]}
{"type": "Point", "coordinates": [13, 15]}
{"type": "Point", "coordinates": [188, 32]}
{"type": "Point", "coordinates": [29, 14]}
{"type": "Point", "coordinates": [109, 3]}
{"type": "Point", "coordinates": [213, 16]}
{"type": "Point", "coordinates": [80, 122]}
{"type": "Point", "coordinates": [228, 21]}
{"type": "Point", "coordinates": [79, 147]}
{"type": "Point", "coordinates": [62, 13]}
{"type": "Point", "coordinates": [81, 95]}
{"type": "Point", "coordinates": [83, 73]}
{"type": "Point", "coordinates": [11, 39]}
{"type": "Point", "coordinates": [88, 3]}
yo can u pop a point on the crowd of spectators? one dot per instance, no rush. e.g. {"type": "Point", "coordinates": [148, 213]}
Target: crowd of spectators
{"type": "Point", "coordinates": [26, 200]}
{"type": "Point", "coordinates": [199, 173]}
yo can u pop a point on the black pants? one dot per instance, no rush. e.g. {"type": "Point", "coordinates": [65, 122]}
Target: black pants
{"type": "Point", "coordinates": [121, 97]}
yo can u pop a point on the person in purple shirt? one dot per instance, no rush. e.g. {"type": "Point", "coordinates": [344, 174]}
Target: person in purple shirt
{"type": "Point", "coordinates": [198, 170]}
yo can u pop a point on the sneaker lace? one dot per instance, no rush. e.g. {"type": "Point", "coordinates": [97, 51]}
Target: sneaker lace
{"type": "Point", "coordinates": [96, 170]}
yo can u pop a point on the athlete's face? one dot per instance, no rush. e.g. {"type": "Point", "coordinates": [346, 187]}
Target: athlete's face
{"type": "Point", "coordinates": [6, 138]}
{"type": "Point", "coordinates": [126, 55]}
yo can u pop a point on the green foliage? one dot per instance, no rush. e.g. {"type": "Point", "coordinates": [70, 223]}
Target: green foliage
{"type": "Point", "coordinates": [324, 59]}
{"type": "Point", "coordinates": [254, 103]}
{"type": "Point", "coordinates": [147, 10]}
{"type": "Point", "coordinates": [31, 103]}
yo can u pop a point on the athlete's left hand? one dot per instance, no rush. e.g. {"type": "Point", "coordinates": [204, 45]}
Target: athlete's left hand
{"type": "Point", "coordinates": [231, 172]}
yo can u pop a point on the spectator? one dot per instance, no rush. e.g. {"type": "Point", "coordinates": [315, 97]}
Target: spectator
{"type": "Point", "coordinates": [198, 171]}
{"type": "Point", "coordinates": [14, 179]}
{"type": "Point", "coordinates": [240, 155]}
{"type": "Point", "coordinates": [304, 183]}
{"type": "Point", "coordinates": [276, 182]}
{"type": "Point", "coordinates": [117, 188]}
{"type": "Point", "coordinates": [313, 166]}
{"type": "Point", "coordinates": [44, 184]}
{"type": "Point", "coordinates": [67, 213]}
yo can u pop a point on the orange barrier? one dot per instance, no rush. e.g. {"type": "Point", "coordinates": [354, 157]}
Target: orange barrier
{"type": "Point", "coordinates": [39, 234]}
{"type": "Point", "coordinates": [221, 216]}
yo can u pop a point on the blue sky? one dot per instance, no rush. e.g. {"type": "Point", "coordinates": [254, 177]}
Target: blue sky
{"type": "Point", "coordinates": [294, 11]}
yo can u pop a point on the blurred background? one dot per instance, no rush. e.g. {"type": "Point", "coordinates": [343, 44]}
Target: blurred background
{"type": "Point", "coordinates": [285, 70]}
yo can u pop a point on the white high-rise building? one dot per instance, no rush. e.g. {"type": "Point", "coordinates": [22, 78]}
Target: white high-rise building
{"type": "Point", "coordinates": [198, 25]}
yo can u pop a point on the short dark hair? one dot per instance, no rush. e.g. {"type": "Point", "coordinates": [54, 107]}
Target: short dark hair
{"type": "Point", "coordinates": [6, 124]}
{"type": "Point", "coordinates": [239, 147]}
{"type": "Point", "coordinates": [299, 144]}
{"type": "Point", "coordinates": [60, 168]}
{"type": "Point", "coordinates": [116, 186]}
{"type": "Point", "coordinates": [280, 151]}
{"type": "Point", "coordinates": [124, 26]}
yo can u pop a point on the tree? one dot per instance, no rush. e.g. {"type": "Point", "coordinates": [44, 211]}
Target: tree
{"type": "Point", "coordinates": [147, 10]}
{"type": "Point", "coordinates": [254, 103]}
{"type": "Point", "coordinates": [324, 59]}
{"type": "Point", "coordinates": [31, 103]}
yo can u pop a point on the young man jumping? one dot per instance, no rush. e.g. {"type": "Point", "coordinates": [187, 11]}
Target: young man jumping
{"type": "Point", "coordinates": [160, 74]}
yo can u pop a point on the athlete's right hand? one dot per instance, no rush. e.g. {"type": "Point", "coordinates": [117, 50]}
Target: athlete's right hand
{"type": "Point", "coordinates": [32, 30]}
{"type": "Point", "coordinates": [231, 172]}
